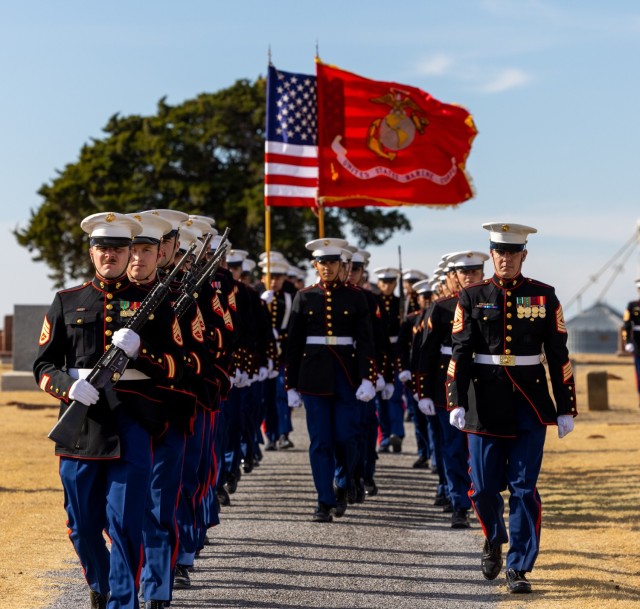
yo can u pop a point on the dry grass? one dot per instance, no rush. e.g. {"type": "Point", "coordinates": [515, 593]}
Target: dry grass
{"type": "Point", "coordinates": [590, 489]}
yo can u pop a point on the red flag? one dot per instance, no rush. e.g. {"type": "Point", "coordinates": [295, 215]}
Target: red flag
{"type": "Point", "coordinates": [381, 143]}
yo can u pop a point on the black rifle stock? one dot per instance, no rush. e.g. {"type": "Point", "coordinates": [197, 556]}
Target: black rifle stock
{"type": "Point", "coordinates": [194, 280]}
{"type": "Point", "coordinates": [110, 366]}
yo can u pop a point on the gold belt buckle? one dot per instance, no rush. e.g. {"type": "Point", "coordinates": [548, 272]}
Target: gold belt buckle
{"type": "Point", "coordinates": [331, 340]}
{"type": "Point", "coordinates": [507, 360]}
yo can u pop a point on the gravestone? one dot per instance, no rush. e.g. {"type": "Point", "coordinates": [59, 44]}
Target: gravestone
{"type": "Point", "coordinates": [27, 325]}
{"type": "Point", "coordinates": [597, 391]}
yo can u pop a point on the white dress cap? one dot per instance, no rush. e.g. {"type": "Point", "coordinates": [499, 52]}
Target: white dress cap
{"type": "Point", "coordinates": [215, 242]}
{"type": "Point", "coordinates": [187, 237]}
{"type": "Point", "coordinates": [422, 287]}
{"type": "Point", "coordinates": [175, 217]}
{"type": "Point", "coordinates": [386, 272]}
{"type": "Point", "coordinates": [328, 247]}
{"type": "Point", "coordinates": [248, 265]}
{"type": "Point", "coordinates": [413, 275]}
{"type": "Point", "coordinates": [236, 256]}
{"type": "Point", "coordinates": [513, 236]}
{"type": "Point", "coordinates": [154, 227]}
{"type": "Point", "coordinates": [276, 267]}
{"type": "Point", "coordinates": [110, 228]}
{"type": "Point", "coordinates": [469, 260]}
{"type": "Point", "coordinates": [206, 219]}
{"type": "Point", "coordinates": [203, 224]}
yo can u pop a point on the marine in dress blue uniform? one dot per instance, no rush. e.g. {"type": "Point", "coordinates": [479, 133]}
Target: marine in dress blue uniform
{"type": "Point", "coordinates": [501, 328]}
{"type": "Point", "coordinates": [631, 334]}
{"type": "Point", "coordinates": [330, 361]}
{"type": "Point", "coordinates": [389, 401]}
{"type": "Point", "coordinates": [433, 365]}
{"type": "Point", "coordinates": [106, 476]}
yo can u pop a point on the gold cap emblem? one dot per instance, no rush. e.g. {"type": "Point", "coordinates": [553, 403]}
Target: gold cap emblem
{"type": "Point", "coordinates": [505, 228]}
{"type": "Point", "coordinates": [110, 218]}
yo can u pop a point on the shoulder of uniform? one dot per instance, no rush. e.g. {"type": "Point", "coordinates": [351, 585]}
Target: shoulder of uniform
{"type": "Point", "coordinates": [308, 288]}
{"type": "Point", "coordinates": [446, 299]}
{"type": "Point", "coordinates": [75, 288]}
{"type": "Point", "coordinates": [479, 283]}
{"type": "Point", "coordinates": [538, 283]}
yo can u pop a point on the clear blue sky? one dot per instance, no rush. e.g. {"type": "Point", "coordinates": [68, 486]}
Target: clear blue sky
{"type": "Point", "coordinates": [553, 87]}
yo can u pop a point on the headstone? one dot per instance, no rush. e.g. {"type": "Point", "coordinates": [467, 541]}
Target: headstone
{"type": "Point", "coordinates": [27, 325]}
{"type": "Point", "coordinates": [597, 392]}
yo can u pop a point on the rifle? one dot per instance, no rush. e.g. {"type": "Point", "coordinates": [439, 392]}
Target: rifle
{"type": "Point", "coordinates": [402, 309]}
{"type": "Point", "coordinates": [194, 279]}
{"type": "Point", "coordinates": [111, 364]}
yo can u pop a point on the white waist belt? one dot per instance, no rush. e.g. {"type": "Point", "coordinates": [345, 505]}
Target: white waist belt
{"type": "Point", "coordinates": [329, 340]}
{"type": "Point", "coordinates": [393, 339]}
{"type": "Point", "coordinates": [636, 328]}
{"type": "Point", "coordinates": [445, 350]}
{"type": "Point", "coordinates": [129, 374]}
{"type": "Point", "coordinates": [507, 360]}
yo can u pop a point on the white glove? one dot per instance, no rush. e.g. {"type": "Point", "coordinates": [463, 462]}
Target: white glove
{"type": "Point", "coordinates": [269, 365]}
{"type": "Point", "coordinates": [263, 373]}
{"type": "Point", "coordinates": [387, 392]}
{"type": "Point", "coordinates": [565, 425]}
{"type": "Point", "coordinates": [416, 397]}
{"type": "Point", "coordinates": [235, 379]}
{"type": "Point", "coordinates": [404, 376]}
{"type": "Point", "coordinates": [456, 418]}
{"type": "Point", "coordinates": [629, 348]}
{"type": "Point", "coordinates": [128, 341]}
{"type": "Point", "coordinates": [380, 383]}
{"type": "Point", "coordinates": [293, 398]}
{"type": "Point", "coordinates": [427, 406]}
{"type": "Point", "coordinates": [366, 392]}
{"type": "Point", "coordinates": [83, 391]}
{"type": "Point", "coordinates": [268, 296]}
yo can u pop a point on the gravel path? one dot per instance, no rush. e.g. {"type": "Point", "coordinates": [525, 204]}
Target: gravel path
{"type": "Point", "coordinates": [394, 551]}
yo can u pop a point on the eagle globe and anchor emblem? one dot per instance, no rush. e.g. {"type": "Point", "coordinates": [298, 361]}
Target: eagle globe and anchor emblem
{"type": "Point", "coordinates": [397, 130]}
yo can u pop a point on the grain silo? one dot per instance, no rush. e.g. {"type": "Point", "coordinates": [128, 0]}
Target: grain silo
{"type": "Point", "coordinates": [595, 330]}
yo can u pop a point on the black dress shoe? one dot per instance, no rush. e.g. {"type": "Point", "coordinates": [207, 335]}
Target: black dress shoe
{"type": "Point", "coordinates": [460, 519]}
{"type": "Point", "coordinates": [384, 448]}
{"type": "Point", "coordinates": [396, 443]}
{"type": "Point", "coordinates": [361, 492]}
{"type": "Point", "coordinates": [421, 463]}
{"type": "Point", "coordinates": [98, 601]}
{"type": "Point", "coordinates": [284, 443]}
{"type": "Point", "coordinates": [247, 465]}
{"type": "Point", "coordinates": [370, 488]}
{"type": "Point", "coordinates": [231, 485]}
{"type": "Point", "coordinates": [322, 513]}
{"type": "Point", "coordinates": [447, 508]}
{"type": "Point", "coordinates": [341, 501]}
{"type": "Point", "coordinates": [441, 500]}
{"type": "Point", "coordinates": [155, 604]}
{"type": "Point", "coordinates": [181, 579]}
{"type": "Point", "coordinates": [491, 560]}
{"type": "Point", "coordinates": [351, 493]}
{"type": "Point", "coordinates": [270, 445]}
{"type": "Point", "coordinates": [517, 582]}
{"type": "Point", "coordinates": [223, 497]}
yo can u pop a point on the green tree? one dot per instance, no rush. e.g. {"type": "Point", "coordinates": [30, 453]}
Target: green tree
{"type": "Point", "coordinates": [204, 156]}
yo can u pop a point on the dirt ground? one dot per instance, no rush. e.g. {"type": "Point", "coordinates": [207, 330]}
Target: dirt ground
{"type": "Point", "coordinates": [590, 488]}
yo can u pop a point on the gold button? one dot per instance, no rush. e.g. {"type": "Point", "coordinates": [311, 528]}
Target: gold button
{"type": "Point", "coordinates": [537, 380]}
{"type": "Point", "coordinates": [151, 316]}
{"type": "Point", "coordinates": [144, 351]}
{"type": "Point", "coordinates": [108, 332]}
{"type": "Point", "coordinates": [509, 315]}
{"type": "Point", "coordinates": [109, 296]}
{"type": "Point", "coordinates": [79, 320]}
{"type": "Point", "coordinates": [329, 332]}
{"type": "Point", "coordinates": [328, 293]}
{"type": "Point", "coordinates": [507, 351]}
{"type": "Point", "coordinates": [109, 306]}
{"type": "Point", "coordinates": [107, 319]}
{"type": "Point", "coordinates": [328, 315]}
{"type": "Point", "coordinates": [159, 360]}
{"type": "Point", "coordinates": [509, 304]}
{"type": "Point", "coordinates": [509, 327]}
{"type": "Point", "coordinates": [508, 293]}
{"type": "Point", "coordinates": [329, 324]}
{"type": "Point", "coordinates": [508, 339]}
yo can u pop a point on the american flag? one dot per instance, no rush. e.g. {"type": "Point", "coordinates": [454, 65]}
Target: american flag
{"type": "Point", "coordinates": [291, 152]}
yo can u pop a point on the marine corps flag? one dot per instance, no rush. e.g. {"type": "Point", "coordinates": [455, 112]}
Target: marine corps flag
{"type": "Point", "coordinates": [381, 143]}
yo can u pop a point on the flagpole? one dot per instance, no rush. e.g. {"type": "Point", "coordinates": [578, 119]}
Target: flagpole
{"type": "Point", "coordinates": [320, 219]}
{"type": "Point", "coordinates": [267, 243]}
